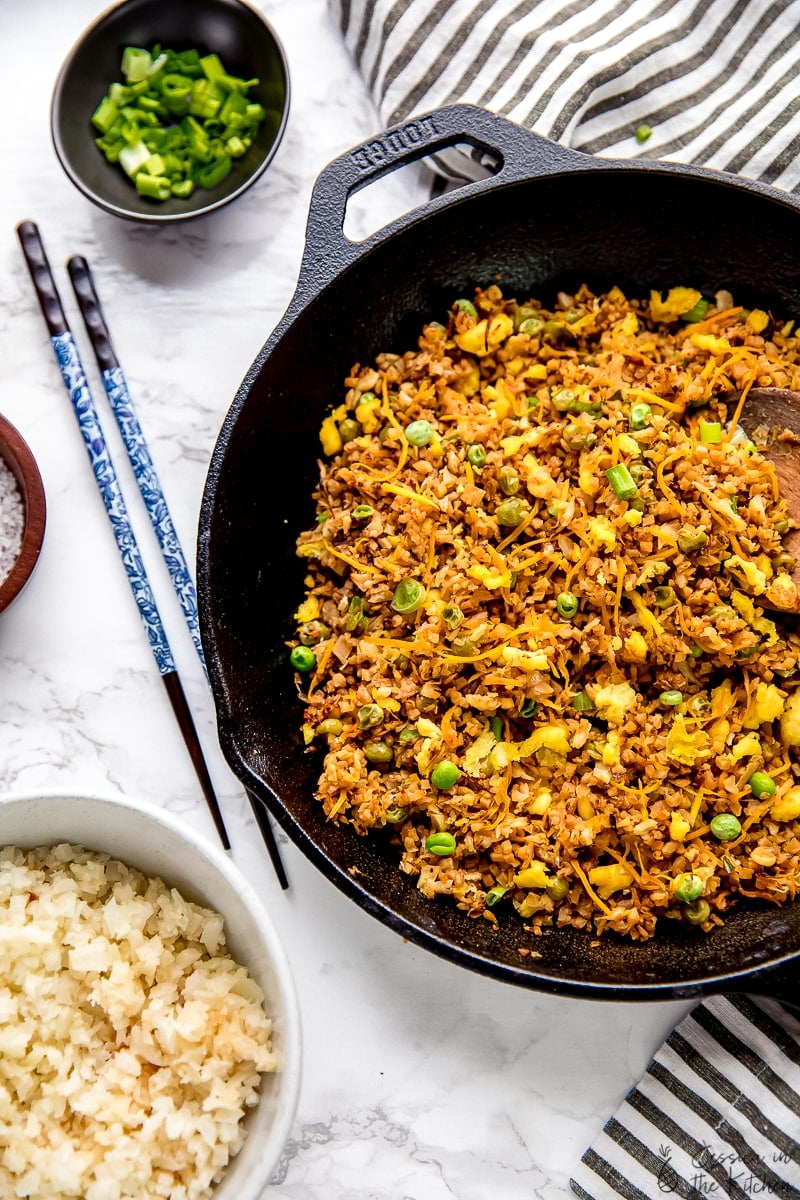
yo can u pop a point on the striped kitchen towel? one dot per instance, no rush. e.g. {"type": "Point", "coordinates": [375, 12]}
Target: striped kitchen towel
{"type": "Point", "coordinates": [717, 81]}
{"type": "Point", "coordinates": [716, 1114]}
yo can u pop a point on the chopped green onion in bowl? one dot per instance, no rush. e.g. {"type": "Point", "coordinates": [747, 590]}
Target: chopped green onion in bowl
{"type": "Point", "coordinates": [176, 121]}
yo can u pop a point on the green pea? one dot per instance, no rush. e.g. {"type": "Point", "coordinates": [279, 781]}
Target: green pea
{"type": "Point", "coordinates": [407, 735]}
{"type": "Point", "coordinates": [396, 814]}
{"type": "Point", "coordinates": [691, 539]}
{"type": "Point", "coordinates": [511, 512]}
{"type": "Point", "coordinates": [762, 784]}
{"type": "Point", "coordinates": [563, 399]}
{"type": "Point", "coordinates": [640, 416]}
{"type": "Point", "coordinates": [362, 511]}
{"type": "Point", "coordinates": [331, 726]}
{"type": "Point", "coordinates": [419, 433]}
{"type": "Point", "coordinates": [477, 455]}
{"type": "Point", "coordinates": [442, 844]}
{"type": "Point", "coordinates": [698, 913]}
{"type": "Point", "coordinates": [578, 437]}
{"type": "Point", "coordinates": [303, 658]}
{"type": "Point", "coordinates": [557, 889]}
{"type": "Point", "coordinates": [369, 715]}
{"type": "Point", "coordinates": [311, 632]}
{"type": "Point", "coordinates": [643, 132]}
{"type": "Point", "coordinates": [378, 752]}
{"type": "Point", "coordinates": [726, 827]}
{"type": "Point", "coordinates": [494, 895]}
{"type": "Point", "coordinates": [531, 326]}
{"type": "Point", "coordinates": [664, 596]}
{"type": "Point", "coordinates": [688, 887]}
{"type": "Point", "coordinates": [508, 481]}
{"type": "Point", "coordinates": [465, 306]}
{"type": "Point", "coordinates": [409, 596]}
{"type": "Point", "coordinates": [444, 775]}
{"type": "Point", "coordinates": [671, 697]}
{"type": "Point", "coordinates": [452, 616]}
{"type": "Point", "coordinates": [567, 604]}
{"type": "Point", "coordinates": [349, 429]}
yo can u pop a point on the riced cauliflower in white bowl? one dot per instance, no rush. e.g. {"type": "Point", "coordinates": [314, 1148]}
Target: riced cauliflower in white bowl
{"type": "Point", "coordinates": [149, 1027]}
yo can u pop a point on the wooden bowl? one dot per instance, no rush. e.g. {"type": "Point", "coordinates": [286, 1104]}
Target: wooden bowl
{"type": "Point", "coordinates": [17, 455]}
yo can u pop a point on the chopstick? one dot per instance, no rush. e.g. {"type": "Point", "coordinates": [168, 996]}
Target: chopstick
{"type": "Point", "coordinates": [68, 359]}
{"type": "Point", "coordinates": [152, 493]}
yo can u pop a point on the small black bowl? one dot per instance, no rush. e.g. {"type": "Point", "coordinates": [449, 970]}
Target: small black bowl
{"type": "Point", "coordinates": [232, 29]}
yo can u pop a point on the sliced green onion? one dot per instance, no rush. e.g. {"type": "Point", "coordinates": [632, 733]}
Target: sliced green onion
{"type": "Point", "coordinates": [582, 702]}
{"type": "Point", "coordinates": [664, 596]}
{"type": "Point", "coordinates": [217, 123]}
{"type": "Point", "coordinates": [465, 306]}
{"type": "Point", "coordinates": [409, 596]}
{"type": "Point", "coordinates": [362, 511]}
{"type": "Point", "coordinates": [496, 726]}
{"type": "Point", "coordinates": [622, 482]}
{"type": "Point", "coordinates": [442, 844]}
{"type": "Point", "coordinates": [697, 313]}
{"type": "Point", "coordinates": [643, 132]}
{"type": "Point", "coordinates": [494, 895]}
{"type": "Point", "coordinates": [407, 735]}
{"type": "Point", "coordinates": [671, 698]}
{"type": "Point", "coordinates": [355, 615]}
{"type": "Point", "coordinates": [529, 708]}
{"type": "Point", "coordinates": [710, 432]}
{"type": "Point", "coordinates": [452, 616]}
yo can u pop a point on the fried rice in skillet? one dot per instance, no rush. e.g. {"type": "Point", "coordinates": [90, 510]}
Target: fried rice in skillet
{"type": "Point", "coordinates": [549, 638]}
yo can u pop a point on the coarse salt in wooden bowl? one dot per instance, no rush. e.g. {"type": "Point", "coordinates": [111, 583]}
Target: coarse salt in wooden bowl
{"type": "Point", "coordinates": [22, 512]}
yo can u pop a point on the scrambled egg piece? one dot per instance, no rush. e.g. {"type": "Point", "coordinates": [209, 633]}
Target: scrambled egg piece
{"type": "Point", "coordinates": [613, 701]}
{"type": "Point", "coordinates": [679, 300]}
{"type": "Point", "coordinates": [613, 878]}
{"type": "Point", "coordinates": [790, 721]}
{"type": "Point", "coordinates": [765, 705]}
{"type": "Point", "coordinates": [684, 746]}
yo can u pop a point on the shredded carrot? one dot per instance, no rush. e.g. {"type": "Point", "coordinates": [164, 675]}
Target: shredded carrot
{"type": "Point", "coordinates": [351, 562]}
{"type": "Point", "coordinates": [399, 490]}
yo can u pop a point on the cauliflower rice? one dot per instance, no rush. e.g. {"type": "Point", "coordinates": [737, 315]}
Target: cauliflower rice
{"type": "Point", "coordinates": [131, 1043]}
{"type": "Point", "coordinates": [549, 635]}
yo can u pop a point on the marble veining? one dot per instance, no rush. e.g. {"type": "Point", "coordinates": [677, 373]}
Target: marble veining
{"type": "Point", "coordinates": [421, 1082]}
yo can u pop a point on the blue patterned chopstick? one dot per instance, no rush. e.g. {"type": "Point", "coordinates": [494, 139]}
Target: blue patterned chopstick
{"type": "Point", "coordinates": [131, 431]}
{"type": "Point", "coordinates": [75, 381]}
{"type": "Point", "coordinates": [152, 494]}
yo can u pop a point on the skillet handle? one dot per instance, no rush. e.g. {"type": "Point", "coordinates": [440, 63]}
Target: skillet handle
{"type": "Point", "coordinates": [511, 152]}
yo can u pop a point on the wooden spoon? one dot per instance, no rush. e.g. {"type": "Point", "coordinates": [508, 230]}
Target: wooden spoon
{"type": "Point", "coordinates": [771, 417]}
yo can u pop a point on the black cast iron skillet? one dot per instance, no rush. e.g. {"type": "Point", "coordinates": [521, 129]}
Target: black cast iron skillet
{"type": "Point", "coordinates": [548, 218]}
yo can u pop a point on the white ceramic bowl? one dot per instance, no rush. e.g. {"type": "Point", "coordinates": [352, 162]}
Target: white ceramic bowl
{"type": "Point", "coordinates": [157, 843]}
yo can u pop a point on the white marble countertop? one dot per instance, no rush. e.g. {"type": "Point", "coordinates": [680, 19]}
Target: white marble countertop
{"type": "Point", "coordinates": [420, 1080]}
